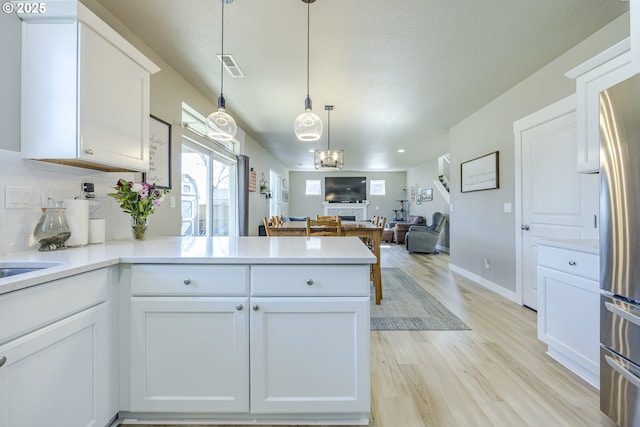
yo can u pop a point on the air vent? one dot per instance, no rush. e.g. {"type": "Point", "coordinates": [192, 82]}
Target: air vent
{"type": "Point", "coordinates": [231, 65]}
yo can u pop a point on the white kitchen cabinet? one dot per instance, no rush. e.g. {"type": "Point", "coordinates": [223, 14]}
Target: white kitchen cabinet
{"type": "Point", "coordinates": [598, 73]}
{"type": "Point", "coordinates": [189, 354]}
{"type": "Point", "coordinates": [57, 354]}
{"type": "Point", "coordinates": [189, 338]}
{"type": "Point", "coordinates": [308, 355]}
{"type": "Point", "coordinates": [569, 309]}
{"type": "Point", "coordinates": [276, 343]}
{"type": "Point", "coordinates": [634, 15]}
{"type": "Point", "coordinates": [85, 93]}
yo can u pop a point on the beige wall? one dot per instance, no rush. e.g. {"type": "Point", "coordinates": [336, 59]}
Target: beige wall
{"type": "Point", "coordinates": [479, 227]}
{"type": "Point", "coordinates": [302, 205]}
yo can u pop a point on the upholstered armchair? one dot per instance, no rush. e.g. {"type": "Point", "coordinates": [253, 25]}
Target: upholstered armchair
{"type": "Point", "coordinates": [422, 238]}
{"type": "Point", "coordinates": [401, 228]}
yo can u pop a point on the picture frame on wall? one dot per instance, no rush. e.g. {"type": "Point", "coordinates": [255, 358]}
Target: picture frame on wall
{"type": "Point", "coordinates": [481, 173]}
{"type": "Point", "coordinates": [427, 194]}
{"type": "Point", "coordinates": [159, 153]}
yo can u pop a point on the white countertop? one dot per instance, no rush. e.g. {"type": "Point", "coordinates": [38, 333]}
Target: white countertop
{"type": "Point", "coordinates": [583, 245]}
{"type": "Point", "coordinates": [187, 250]}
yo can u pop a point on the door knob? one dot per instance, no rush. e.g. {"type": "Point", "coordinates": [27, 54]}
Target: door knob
{"type": "Point", "coordinates": [524, 227]}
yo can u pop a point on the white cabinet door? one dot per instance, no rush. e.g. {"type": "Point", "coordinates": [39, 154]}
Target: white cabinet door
{"type": "Point", "coordinates": [569, 321]}
{"type": "Point", "coordinates": [85, 94]}
{"type": "Point", "coordinates": [114, 104]}
{"type": "Point", "coordinates": [310, 355]}
{"type": "Point", "coordinates": [189, 354]}
{"type": "Point", "coordinates": [57, 375]}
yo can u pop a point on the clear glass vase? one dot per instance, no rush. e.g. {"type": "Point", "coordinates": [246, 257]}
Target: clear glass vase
{"type": "Point", "coordinates": [52, 230]}
{"type": "Point", "coordinates": [139, 227]}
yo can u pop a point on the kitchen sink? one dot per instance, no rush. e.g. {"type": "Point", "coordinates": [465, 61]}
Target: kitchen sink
{"type": "Point", "coordinates": [8, 269]}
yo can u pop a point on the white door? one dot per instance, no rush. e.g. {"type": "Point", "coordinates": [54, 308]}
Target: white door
{"type": "Point", "coordinates": [555, 200]}
{"type": "Point", "coordinates": [57, 375]}
{"type": "Point", "coordinates": [189, 354]}
{"type": "Point", "coordinates": [310, 355]}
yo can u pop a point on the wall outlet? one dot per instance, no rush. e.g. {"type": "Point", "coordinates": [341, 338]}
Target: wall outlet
{"type": "Point", "coordinates": [18, 197]}
{"type": "Point", "coordinates": [173, 201]}
{"type": "Point", "coordinates": [487, 263]}
{"type": "Point", "coordinates": [507, 208]}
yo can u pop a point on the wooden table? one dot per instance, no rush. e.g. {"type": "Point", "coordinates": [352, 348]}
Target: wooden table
{"type": "Point", "coordinates": [350, 228]}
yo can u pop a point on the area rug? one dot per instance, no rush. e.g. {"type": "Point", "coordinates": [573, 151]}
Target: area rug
{"type": "Point", "coordinates": [408, 306]}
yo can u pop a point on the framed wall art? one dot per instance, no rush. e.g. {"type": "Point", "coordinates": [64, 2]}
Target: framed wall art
{"type": "Point", "coordinates": [481, 173]}
{"type": "Point", "coordinates": [427, 194]}
{"type": "Point", "coordinates": [159, 153]}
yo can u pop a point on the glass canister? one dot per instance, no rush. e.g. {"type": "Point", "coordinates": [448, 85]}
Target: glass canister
{"type": "Point", "coordinates": [52, 229]}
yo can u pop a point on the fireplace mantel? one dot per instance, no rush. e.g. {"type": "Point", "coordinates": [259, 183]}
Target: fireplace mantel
{"type": "Point", "coordinates": [359, 210]}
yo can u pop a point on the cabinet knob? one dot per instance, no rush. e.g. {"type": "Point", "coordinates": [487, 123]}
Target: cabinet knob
{"type": "Point", "coordinates": [310, 282]}
{"type": "Point", "coordinates": [256, 307]}
{"type": "Point", "coordinates": [187, 282]}
{"type": "Point", "coordinates": [572, 262]}
{"type": "Point", "coordinates": [3, 360]}
{"type": "Point", "coordinates": [525, 227]}
{"type": "Point", "coordinates": [89, 151]}
{"type": "Point", "coordinates": [239, 307]}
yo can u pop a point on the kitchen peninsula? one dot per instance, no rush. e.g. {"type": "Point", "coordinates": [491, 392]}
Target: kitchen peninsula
{"type": "Point", "coordinates": [206, 330]}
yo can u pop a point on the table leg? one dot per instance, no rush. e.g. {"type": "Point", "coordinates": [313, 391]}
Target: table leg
{"type": "Point", "coordinates": [377, 276]}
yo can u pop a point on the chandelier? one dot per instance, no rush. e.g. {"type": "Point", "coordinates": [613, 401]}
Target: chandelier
{"type": "Point", "coordinates": [328, 159]}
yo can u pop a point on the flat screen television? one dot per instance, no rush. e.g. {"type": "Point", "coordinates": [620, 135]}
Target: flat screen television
{"type": "Point", "coordinates": [345, 189]}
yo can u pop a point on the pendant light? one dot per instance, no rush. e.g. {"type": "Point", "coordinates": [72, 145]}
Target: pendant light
{"type": "Point", "coordinates": [328, 159]}
{"type": "Point", "coordinates": [308, 126]}
{"type": "Point", "coordinates": [220, 125]}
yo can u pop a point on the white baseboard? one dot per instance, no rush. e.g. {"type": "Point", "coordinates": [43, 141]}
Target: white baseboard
{"type": "Point", "coordinates": [441, 248]}
{"type": "Point", "coordinates": [494, 287]}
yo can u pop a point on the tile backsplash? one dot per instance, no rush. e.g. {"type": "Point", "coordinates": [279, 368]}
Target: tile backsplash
{"type": "Point", "coordinates": [60, 182]}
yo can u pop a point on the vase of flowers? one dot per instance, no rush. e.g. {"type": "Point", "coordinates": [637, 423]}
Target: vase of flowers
{"type": "Point", "coordinates": [138, 199]}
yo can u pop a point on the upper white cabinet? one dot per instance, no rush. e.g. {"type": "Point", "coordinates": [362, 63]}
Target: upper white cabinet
{"type": "Point", "coordinates": [598, 73]}
{"type": "Point", "coordinates": [85, 92]}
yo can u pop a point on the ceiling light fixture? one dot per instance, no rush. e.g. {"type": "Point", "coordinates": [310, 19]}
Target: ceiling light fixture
{"type": "Point", "coordinates": [220, 125]}
{"type": "Point", "coordinates": [308, 126]}
{"type": "Point", "coordinates": [328, 159]}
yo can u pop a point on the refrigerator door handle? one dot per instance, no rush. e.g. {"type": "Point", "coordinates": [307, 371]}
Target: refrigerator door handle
{"type": "Point", "coordinates": [628, 375]}
{"type": "Point", "coordinates": [623, 313]}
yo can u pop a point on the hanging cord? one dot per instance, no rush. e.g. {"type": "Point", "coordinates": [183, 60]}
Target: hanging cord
{"type": "Point", "coordinates": [222, 51]}
{"type": "Point", "coordinates": [308, 38]}
{"type": "Point", "coordinates": [329, 129]}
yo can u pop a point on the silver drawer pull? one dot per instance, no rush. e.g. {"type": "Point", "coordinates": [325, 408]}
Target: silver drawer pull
{"type": "Point", "coordinates": [628, 375]}
{"type": "Point", "coordinates": [310, 282]}
{"type": "Point", "coordinates": [3, 360]}
{"type": "Point", "coordinates": [256, 307]}
{"type": "Point", "coordinates": [239, 307]}
{"type": "Point", "coordinates": [572, 262]}
{"type": "Point", "coordinates": [623, 313]}
{"type": "Point", "coordinates": [187, 282]}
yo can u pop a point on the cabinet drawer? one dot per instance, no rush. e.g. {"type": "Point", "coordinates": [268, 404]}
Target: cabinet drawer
{"type": "Point", "coordinates": [310, 280]}
{"type": "Point", "coordinates": [189, 279]}
{"type": "Point", "coordinates": [32, 308]}
{"type": "Point", "coordinates": [573, 262]}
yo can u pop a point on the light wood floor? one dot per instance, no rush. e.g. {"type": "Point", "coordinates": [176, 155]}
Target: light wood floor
{"type": "Point", "coordinates": [496, 374]}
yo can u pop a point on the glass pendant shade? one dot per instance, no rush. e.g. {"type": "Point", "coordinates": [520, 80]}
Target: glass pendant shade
{"type": "Point", "coordinates": [308, 126]}
{"type": "Point", "coordinates": [220, 125]}
{"type": "Point", "coordinates": [328, 159]}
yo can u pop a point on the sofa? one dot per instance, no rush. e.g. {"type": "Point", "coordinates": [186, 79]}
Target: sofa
{"type": "Point", "coordinates": [400, 229]}
{"type": "Point", "coordinates": [423, 238]}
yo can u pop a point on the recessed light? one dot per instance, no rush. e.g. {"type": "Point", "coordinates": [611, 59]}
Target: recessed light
{"type": "Point", "coordinates": [401, 150]}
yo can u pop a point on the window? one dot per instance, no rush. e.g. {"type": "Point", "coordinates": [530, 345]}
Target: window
{"type": "Point", "coordinates": [377, 187]}
{"type": "Point", "coordinates": [209, 202]}
{"type": "Point", "coordinates": [313, 187]}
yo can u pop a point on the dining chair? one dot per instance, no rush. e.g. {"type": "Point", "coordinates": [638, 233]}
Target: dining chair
{"type": "Point", "coordinates": [326, 217]}
{"type": "Point", "coordinates": [324, 227]}
{"type": "Point", "coordinates": [267, 226]}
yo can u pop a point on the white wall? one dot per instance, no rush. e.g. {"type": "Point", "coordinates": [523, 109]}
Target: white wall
{"type": "Point", "coordinates": [479, 227]}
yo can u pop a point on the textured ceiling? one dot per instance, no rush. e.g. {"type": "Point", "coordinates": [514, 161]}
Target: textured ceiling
{"type": "Point", "coordinates": [399, 74]}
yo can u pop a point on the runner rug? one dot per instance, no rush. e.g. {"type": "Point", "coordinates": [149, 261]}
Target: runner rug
{"type": "Point", "coordinates": [408, 306]}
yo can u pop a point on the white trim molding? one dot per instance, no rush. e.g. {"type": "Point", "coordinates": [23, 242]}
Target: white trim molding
{"type": "Point", "coordinates": [494, 287]}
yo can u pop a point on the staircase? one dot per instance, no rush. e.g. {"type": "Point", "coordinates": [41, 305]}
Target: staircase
{"type": "Point", "coordinates": [444, 181]}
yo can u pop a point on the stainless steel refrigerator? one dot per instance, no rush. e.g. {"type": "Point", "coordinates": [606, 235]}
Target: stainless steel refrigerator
{"type": "Point", "coordinates": [620, 252]}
